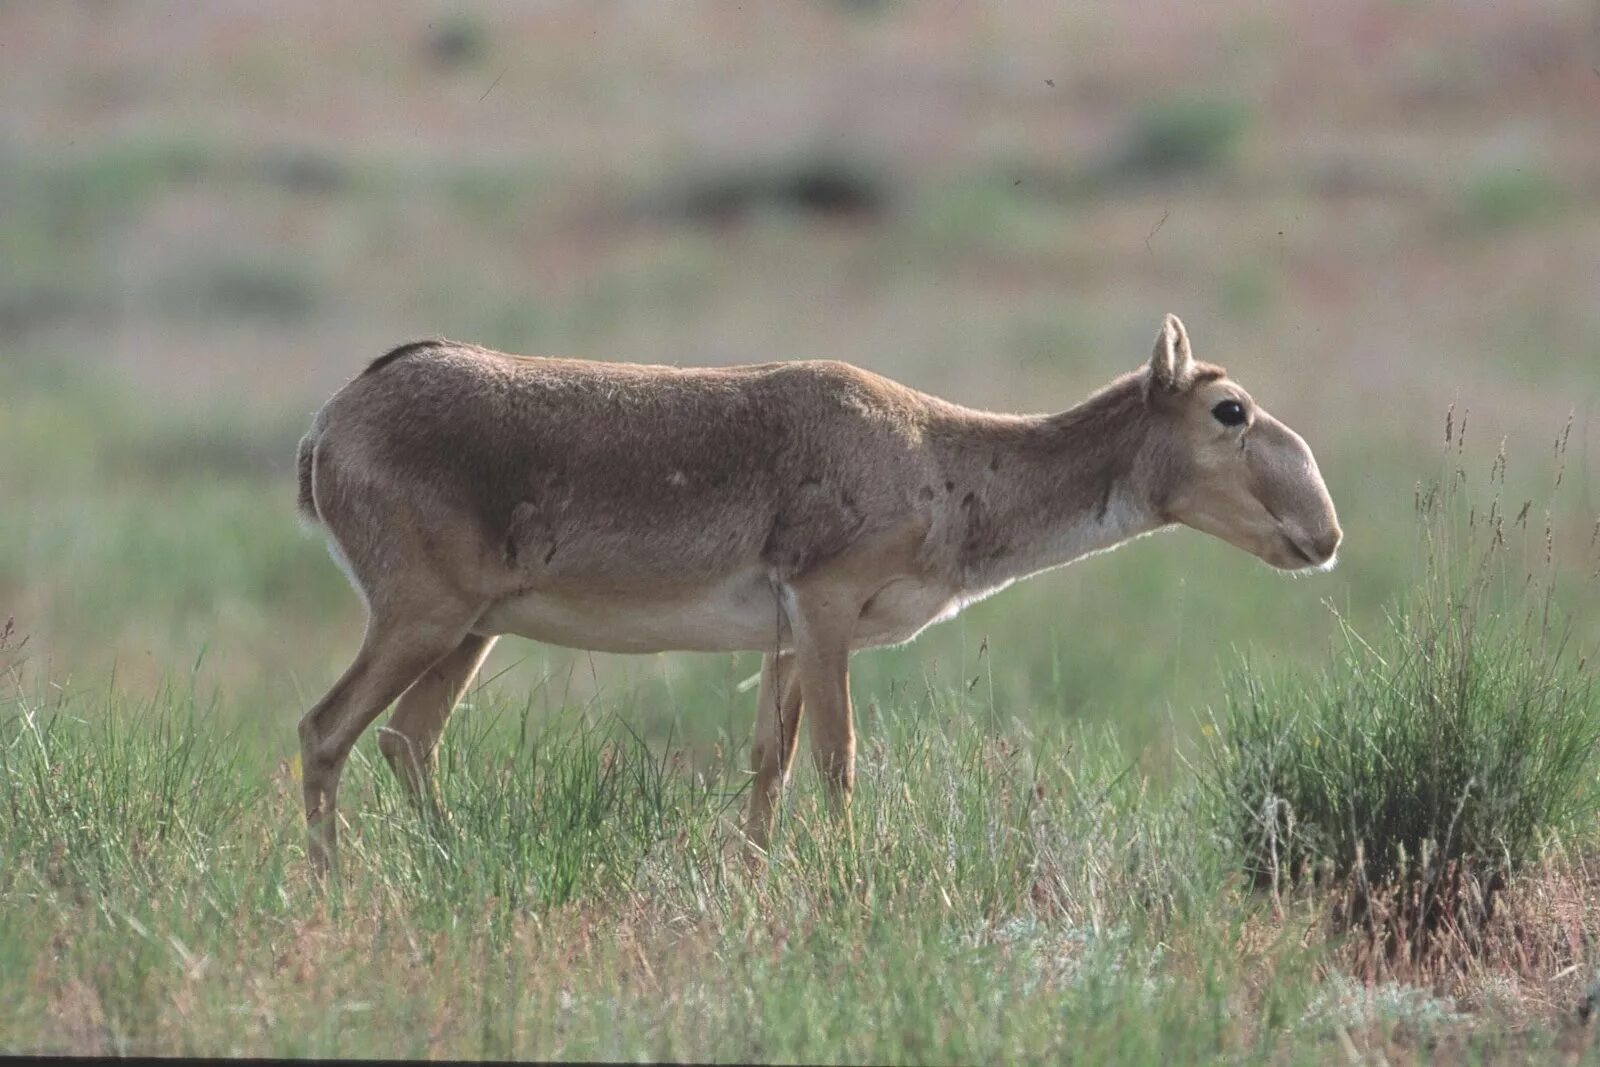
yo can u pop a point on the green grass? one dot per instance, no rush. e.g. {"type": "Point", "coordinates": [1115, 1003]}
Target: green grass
{"type": "Point", "coordinates": [1454, 734]}
{"type": "Point", "coordinates": [587, 902]}
{"type": "Point", "coordinates": [1500, 198]}
{"type": "Point", "coordinates": [1178, 136]}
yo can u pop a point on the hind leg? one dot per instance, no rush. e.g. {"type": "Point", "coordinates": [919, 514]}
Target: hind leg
{"type": "Point", "coordinates": [772, 749]}
{"type": "Point", "coordinates": [395, 652]}
{"type": "Point", "coordinates": [410, 739]}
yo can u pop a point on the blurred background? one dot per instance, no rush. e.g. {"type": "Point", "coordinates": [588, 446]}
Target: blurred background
{"type": "Point", "coordinates": [211, 216]}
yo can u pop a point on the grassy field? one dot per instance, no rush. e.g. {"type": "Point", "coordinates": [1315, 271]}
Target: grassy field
{"type": "Point", "coordinates": [1163, 805]}
{"type": "Point", "coordinates": [1007, 892]}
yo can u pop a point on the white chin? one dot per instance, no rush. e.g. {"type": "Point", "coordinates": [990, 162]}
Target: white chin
{"type": "Point", "coordinates": [1300, 567]}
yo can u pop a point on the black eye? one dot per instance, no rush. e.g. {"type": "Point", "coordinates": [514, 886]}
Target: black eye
{"type": "Point", "coordinates": [1229, 413]}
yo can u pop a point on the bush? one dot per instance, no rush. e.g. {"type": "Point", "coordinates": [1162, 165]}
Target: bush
{"type": "Point", "coordinates": [1505, 197]}
{"type": "Point", "coordinates": [456, 41]}
{"type": "Point", "coordinates": [803, 185]}
{"type": "Point", "coordinates": [271, 289]}
{"type": "Point", "coordinates": [1423, 765]}
{"type": "Point", "coordinates": [1186, 135]}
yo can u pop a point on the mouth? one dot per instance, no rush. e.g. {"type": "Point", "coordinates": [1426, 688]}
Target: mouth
{"type": "Point", "coordinates": [1304, 560]}
{"type": "Point", "coordinates": [1297, 552]}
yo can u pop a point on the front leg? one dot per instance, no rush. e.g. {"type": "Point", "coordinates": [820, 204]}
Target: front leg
{"type": "Point", "coordinates": [824, 608]}
{"type": "Point", "coordinates": [824, 620]}
{"type": "Point", "coordinates": [825, 681]}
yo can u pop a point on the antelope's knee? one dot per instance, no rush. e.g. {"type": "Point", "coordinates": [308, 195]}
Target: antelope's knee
{"type": "Point", "coordinates": [315, 759]}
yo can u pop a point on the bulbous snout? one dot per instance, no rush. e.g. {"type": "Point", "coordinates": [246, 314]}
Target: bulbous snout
{"type": "Point", "coordinates": [1288, 486]}
{"type": "Point", "coordinates": [1319, 550]}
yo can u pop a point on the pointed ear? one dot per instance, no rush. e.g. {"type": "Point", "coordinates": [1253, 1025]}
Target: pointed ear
{"type": "Point", "coordinates": [1171, 364]}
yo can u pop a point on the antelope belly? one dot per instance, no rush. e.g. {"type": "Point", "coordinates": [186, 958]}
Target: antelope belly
{"type": "Point", "coordinates": [735, 614]}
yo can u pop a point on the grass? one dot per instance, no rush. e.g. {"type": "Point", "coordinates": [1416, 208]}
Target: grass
{"type": "Point", "coordinates": [585, 903]}
{"type": "Point", "coordinates": [241, 289]}
{"type": "Point", "coordinates": [1185, 134]}
{"type": "Point", "coordinates": [1499, 198]}
{"type": "Point", "coordinates": [994, 908]}
{"type": "Point", "coordinates": [1448, 734]}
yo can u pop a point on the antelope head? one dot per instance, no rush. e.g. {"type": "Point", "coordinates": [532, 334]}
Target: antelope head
{"type": "Point", "coordinates": [1221, 464]}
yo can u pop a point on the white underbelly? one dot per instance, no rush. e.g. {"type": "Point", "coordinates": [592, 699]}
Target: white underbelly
{"type": "Point", "coordinates": [740, 613]}
{"type": "Point", "coordinates": [736, 614]}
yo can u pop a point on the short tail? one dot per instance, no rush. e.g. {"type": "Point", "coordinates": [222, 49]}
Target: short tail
{"type": "Point", "coordinates": [307, 502]}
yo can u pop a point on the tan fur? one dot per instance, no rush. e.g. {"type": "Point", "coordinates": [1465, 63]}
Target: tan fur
{"type": "Point", "coordinates": [799, 509]}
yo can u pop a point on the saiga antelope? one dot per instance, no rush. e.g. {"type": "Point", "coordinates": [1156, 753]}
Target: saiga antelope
{"type": "Point", "coordinates": [803, 510]}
